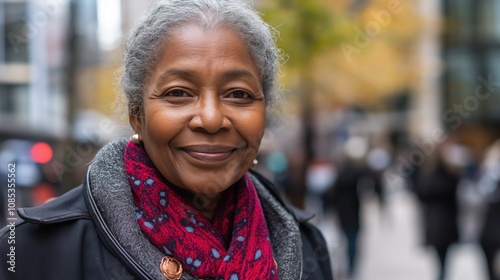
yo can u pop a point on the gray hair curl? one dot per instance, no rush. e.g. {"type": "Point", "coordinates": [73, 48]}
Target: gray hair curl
{"type": "Point", "coordinates": [147, 41]}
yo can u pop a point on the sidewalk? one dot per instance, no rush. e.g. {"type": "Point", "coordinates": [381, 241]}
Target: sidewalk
{"type": "Point", "coordinates": [390, 246]}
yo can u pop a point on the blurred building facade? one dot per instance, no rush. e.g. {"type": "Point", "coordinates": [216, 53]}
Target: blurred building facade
{"type": "Point", "coordinates": [58, 73]}
{"type": "Point", "coordinates": [32, 61]}
{"type": "Point", "coordinates": [43, 46]}
{"type": "Point", "coordinates": [471, 72]}
{"type": "Point", "coordinates": [458, 90]}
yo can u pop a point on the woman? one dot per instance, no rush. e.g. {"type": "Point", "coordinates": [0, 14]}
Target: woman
{"type": "Point", "coordinates": [178, 201]}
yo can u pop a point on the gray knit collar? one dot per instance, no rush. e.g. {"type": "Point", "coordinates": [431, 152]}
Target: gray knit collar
{"type": "Point", "coordinates": [110, 189]}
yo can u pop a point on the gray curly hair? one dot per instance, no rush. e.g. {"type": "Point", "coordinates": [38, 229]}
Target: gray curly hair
{"type": "Point", "coordinates": [150, 35]}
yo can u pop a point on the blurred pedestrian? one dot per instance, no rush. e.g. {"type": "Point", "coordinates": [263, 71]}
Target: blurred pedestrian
{"type": "Point", "coordinates": [436, 188]}
{"type": "Point", "coordinates": [320, 175]}
{"type": "Point", "coordinates": [344, 198]}
{"type": "Point", "coordinates": [378, 160]}
{"type": "Point", "coordinates": [489, 187]}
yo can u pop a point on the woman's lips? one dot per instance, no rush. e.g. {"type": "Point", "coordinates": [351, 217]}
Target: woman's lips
{"type": "Point", "coordinates": [209, 153]}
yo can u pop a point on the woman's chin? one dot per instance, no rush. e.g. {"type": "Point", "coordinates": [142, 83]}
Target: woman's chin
{"type": "Point", "coordinates": [207, 187]}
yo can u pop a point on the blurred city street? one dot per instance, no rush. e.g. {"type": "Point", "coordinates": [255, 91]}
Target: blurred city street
{"type": "Point", "coordinates": [390, 246]}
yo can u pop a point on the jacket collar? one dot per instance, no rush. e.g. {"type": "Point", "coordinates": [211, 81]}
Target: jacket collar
{"type": "Point", "coordinates": [300, 215]}
{"type": "Point", "coordinates": [69, 206]}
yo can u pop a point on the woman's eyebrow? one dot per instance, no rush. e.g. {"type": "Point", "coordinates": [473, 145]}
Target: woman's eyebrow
{"type": "Point", "coordinates": [175, 72]}
{"type": "Point", "coordinates": [236, 73]}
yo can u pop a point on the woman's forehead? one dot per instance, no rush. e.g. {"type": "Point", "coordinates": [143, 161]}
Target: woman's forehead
{"type": "Point", "coordinates": [195, 43]}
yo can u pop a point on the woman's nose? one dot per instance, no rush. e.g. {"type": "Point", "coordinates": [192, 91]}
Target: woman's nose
{"type": "Point", "coordinates": [210, 115]}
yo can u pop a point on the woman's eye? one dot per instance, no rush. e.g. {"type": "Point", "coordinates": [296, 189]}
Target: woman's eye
{"type": "Point", "coordinates": [239, 94]}
{"type": "Point", "coordinates": [176, 93]}
{"type": "Point", "coordinates": [176, 96]}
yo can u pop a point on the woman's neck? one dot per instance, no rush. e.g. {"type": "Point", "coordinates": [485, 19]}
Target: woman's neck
{"type": "Point", "coordinates": [208, 205]}
{"type": "Point", "coordinates": [205, 203]}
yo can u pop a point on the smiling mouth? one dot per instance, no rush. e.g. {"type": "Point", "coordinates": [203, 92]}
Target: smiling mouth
{"type": "Point", "coordinates": [209, 153]}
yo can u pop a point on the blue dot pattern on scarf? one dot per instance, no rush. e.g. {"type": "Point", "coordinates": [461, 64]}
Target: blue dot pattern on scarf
{"type": "Point", "coordinates": [240, 238]}
{"type": "Point", "coordinates": [191, 217]}
{"type": "Point", "coordinates": [163, 198]}
{"type": "Point", "coordinates": [194, 264]}
{"type": "Point", "coordinates": [258, 254]}
{"type": "Point", "coordinates": [215, 253]}
{"type": "Point", "coordinates": [150, 181]}
{"type": "Point", "coordinates": [167, 251]}
{"type": "Point", "coordinates": [162, 217]}
{"type": "Point", "coordinates": [148, 224]}
{"type": "Point", "coordinates": [138, 213]}
{"type": "Point", "coordinates": [227, 258]}
{"type": "Point", "coordinates": [234, 276]}
{"type": "Point", "coordinates": [189, 223]}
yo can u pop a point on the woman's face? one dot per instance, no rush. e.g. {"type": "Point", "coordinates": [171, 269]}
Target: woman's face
{"type": "Point", "coordinates": [204, 111]}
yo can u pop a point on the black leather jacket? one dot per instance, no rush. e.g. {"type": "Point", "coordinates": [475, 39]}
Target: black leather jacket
{"type": "Point", "coordinates": [66, 239]}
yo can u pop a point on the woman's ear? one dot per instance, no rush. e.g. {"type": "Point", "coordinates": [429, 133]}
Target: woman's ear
{"type": "Point", "coordinates": [136, 123]}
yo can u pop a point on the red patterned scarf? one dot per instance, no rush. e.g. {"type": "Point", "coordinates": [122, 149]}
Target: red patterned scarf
{"type": "Point", "coordinates": [235, 246]}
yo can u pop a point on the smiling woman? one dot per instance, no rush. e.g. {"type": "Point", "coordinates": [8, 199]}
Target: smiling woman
{"type": "Point", "coordinates": [179, 201]}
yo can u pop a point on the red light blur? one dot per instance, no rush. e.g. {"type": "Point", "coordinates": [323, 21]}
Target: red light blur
{"type": "Point", "coordinates": [41, 152]}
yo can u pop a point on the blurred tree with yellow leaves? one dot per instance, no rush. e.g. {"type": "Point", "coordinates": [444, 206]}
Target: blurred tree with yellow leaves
{"type": "Point", "coordinates": [351, 51]}
{"type": "Point", "coordinates": [342, 52]}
